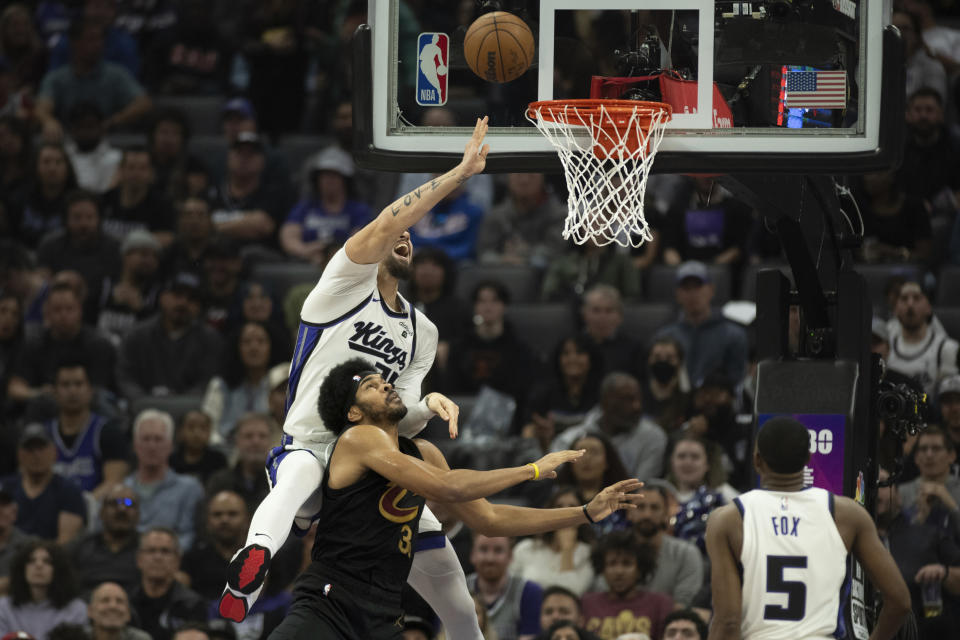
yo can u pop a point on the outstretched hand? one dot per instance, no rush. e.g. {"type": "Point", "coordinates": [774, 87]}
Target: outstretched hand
{"type": "Point", "coordinates": [548, 463]}
{"type": "Point", "coordinates": [613, 498]}
{"type": "Point", "coordinates": [475, 154]}
{"type": "Point", "coordinates": [447, 409]}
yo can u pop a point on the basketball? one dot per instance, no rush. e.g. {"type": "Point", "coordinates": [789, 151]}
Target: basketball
{"type": "Point", "coordinates": [498, 46]}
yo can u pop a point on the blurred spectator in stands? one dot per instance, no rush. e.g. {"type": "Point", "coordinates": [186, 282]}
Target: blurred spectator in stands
{"type": "Point", "coordinates": [490, 354]}
{"type": "Point", "coordinates": [560, 557]}
{"type": "Point", "coordinates": [194, 456]}
{"type": "Point", "coordinates": [379, 186]}
{"type": "Point", "coordinates": [930, 152]}
{"type": "Point", "coordinates": [238, 116]}
{"type": "Point", "coordinates": [192, 58]}
{"type": "Point", "coordinates": [678, 571]}
{"type": "Point", "coordinates": [223, 286]}
{"type": "Point", "coordinates": [585, 266]}
{"type": "Point", "coordinates": [251, 207]}
{"type": "Point", "coordinates": [48, 505]}
{"type": "Point", "coordinates": [715, 418]}
{"type": "Point", "coordinates": [94, 159]}
{"type": "Point", "coordinates": [20, 278]}
{"type": "Point", "coordinates": [89, 77]}
{"type": "Point", "coordinates": [943, 40]}
{"type": "Point", "coordinates": [922, 70]}
{"type": "Point", "coordinates": [63, 331]}
{"type": "Point", "coordinates": [258, 306]}
{"type": "Point", "coordinates": [43, 591]}
{"type": "Point", "coordinates": [934, 455]}
{"type": "Point", "coordinates": [133, 296]}
{"type": "Point", "coordinates": [16, 159]}
{"type": "Point", "coordinates": [13, 103]}
{"type": "Point", "coordinates": [948, 397]}
{"type": "Point", "coordinates": [624, 607]}
{"type": "Point", "coordinates": [22, 46]}
{"type": "Point", "coordinates": [640, 442]}
{"type": "Point", "coordinates": [711, 226]}
{"type": "Point", "coordinates": [11, 537]}
{"type": "Point", "coordinates": [711, 342]}
{"type": "Point", "coordinates": [559, 603]}
{"type": "Point", "coordinates": [919, 346]}
{"type": "Point", "coordinates": [119, 47]}
{"type": "Point", "coordinates": [432, 292]}
{"type": "Point", "coordinates": [926, 549]}
{"type": "Point", "coordinates": [512, 232]}
{"type": "Point", "coordinates": [11, 338]}
{"type": "Point", "coordinates": [684, 624]}
{"type": "Point", "coordinates": [452, 225]}
{"type": "Point", "coordinates": [167, 140]}
{"type": "Point", "coordinates": [666, 391]}
{"type": "Point", "coordinates": [896, 225]}
{"type": "Point", "coordinates": [319, 225]}
{"type": "Point", "coordinates": [82, 245]}
{"type": "Point", "coordinates": [166, 498]}
{"type": "Point", "coordinates": [173, 352]}
{"type": "Point", "coordinates": [252, 439]}
{"type": "Point", "coordinates": [109, 613]}
{"type": "Point", "coordinates": [194, 232]}
{"type": "Point", "coordinates": [146, 19]}
{"type": "Point", "coordinates": [278, 380]}
{"type": "Point", "coordinates": [244, 385]}
{"type": "Point", "coordinates": [602, 316]}
{"type": "Point", "coordinates": [479, 191]}
{"type": "Point", "coordinates": [163, 604]}
{"type": "Point", "coordinates": [92, 450]}
{"type": "Point", "coordinates": [136, 203]}
{"type": "Point", "coordinates": [564, 398]}
{"type": "Point", "coordinates": [109, 554]}
{"type": "Point", "coordinates": [274, 47]}
{"type": "Point", "coordinates": [45, 204]}
{"type": "Point", "coordinates": [601, 463]}
{"type": "Point", "coordinates": [513, 604]}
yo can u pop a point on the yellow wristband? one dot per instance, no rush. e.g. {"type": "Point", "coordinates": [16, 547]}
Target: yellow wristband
{"type": "Point", "coordinates": [536, 470]}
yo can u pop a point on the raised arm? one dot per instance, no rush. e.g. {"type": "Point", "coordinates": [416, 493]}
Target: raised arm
{"type": "Point", "coordinates": [880, 566]}
{"type": "Point", "coordinates": [724, 576]}
{"type": "Point", "coordinates": [369, 447]}
{"type": "Point", "coordinates": [373, 242]}
{"type": "Point", "coordinates": [507, 520]}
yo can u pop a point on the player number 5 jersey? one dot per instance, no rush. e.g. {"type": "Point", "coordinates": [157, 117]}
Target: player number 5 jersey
{"type": "Point", "coordinates": [794, 565]}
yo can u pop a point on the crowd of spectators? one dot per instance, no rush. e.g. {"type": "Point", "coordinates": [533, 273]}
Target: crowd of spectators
{"type": "Point", "coordinates": [144, 352]}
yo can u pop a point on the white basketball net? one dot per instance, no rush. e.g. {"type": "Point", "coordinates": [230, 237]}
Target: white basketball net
{"type": "Point", "coordinates": [606, 194]}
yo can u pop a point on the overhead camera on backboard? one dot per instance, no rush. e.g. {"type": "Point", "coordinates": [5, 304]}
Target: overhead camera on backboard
{"type": "Point", "coordinates": [764, 10]}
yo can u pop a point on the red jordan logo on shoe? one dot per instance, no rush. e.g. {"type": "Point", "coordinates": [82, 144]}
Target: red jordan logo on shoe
{"type": "Point", "coordinates": [251, 566]}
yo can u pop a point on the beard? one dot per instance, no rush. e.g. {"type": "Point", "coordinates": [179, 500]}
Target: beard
{"type": "Point", "coordinates": [397, 269]}
{"type": "Point", "coordinates": [647, 528]}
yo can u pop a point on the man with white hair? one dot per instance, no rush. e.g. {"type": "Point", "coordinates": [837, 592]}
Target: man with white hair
{"type": "Point", "coordinates": [166, 498]}
{"type": "Point", "coordinates": [109, 613]}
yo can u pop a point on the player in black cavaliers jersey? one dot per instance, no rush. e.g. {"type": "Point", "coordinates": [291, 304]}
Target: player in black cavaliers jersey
{"type": "Point", "coordinates": [373, 492]}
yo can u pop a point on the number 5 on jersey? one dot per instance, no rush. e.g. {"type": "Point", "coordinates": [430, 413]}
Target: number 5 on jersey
{"type": "Point", "coordinates": [796, 590]}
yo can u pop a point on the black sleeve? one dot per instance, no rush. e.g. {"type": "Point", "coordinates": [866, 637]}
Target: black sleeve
{"type": "Point", "coordinates": [114, 444]}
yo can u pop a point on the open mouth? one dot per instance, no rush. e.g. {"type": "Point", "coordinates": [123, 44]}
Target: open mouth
{"type": "Point", "coordinates": [402, 250]}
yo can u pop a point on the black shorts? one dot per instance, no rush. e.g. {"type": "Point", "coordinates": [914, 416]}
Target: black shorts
{"type": "Point", "coordinates": [332, 606]}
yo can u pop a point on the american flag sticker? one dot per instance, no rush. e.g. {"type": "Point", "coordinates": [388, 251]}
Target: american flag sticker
{"type": "Point", "coordinates": [816, 90]}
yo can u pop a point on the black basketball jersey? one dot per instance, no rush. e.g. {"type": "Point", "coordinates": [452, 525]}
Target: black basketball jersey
{"type": "Point", "coordinates": [368, 530]}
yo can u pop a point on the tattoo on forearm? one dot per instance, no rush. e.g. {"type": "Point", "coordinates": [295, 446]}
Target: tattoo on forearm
{"type": "Point", "coordinates": [395, 210]}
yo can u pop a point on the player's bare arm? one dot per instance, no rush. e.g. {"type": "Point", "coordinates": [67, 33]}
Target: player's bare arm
{"type": "Point", "coordinates": [507, 520]}
{"type": "Point", "coordinates": [723, 547]}
{"type": "Point", "coordinates": [860, 534]}
{"type": "Point", "coordinates": [366, 447]}
{"type": "Point", "coordinates": [374, 242]}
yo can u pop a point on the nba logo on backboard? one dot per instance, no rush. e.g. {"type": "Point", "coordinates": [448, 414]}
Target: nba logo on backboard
{"type": "Point", "coordinates": [432, 58]}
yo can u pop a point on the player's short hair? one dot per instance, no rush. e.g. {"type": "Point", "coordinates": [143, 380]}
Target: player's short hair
{"type": "Point", "coordinates": [624, 541]}
{"type": "Point", "coordinates": [784, 444]}
{"type": "Point", "coordinates": [338, 392]}
{"type": "Point", "coordinates": [691, 615]}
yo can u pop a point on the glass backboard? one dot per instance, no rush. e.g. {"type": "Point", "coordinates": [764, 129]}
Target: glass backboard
{"type": "Point", "coordinates": [778, 85]}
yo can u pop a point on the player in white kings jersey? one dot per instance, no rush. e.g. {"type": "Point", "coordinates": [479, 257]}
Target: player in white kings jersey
{"type": "Point", "coordinates": [792, 544]}
{"type": "Point", "coordinates": [356, 311]}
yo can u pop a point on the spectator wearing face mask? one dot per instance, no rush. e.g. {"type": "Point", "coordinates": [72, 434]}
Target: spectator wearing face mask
{"type": "Point", "coordinates": [666, 392]}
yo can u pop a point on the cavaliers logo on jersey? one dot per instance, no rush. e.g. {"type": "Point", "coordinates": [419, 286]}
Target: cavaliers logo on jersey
{"type": "Point", "coordinates": [390, 505]}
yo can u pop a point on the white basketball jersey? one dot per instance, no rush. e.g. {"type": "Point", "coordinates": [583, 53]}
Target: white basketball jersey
{"type": "Point", "coordinates": [927, 362]}
{"type": "Point", "coordinates": [343, 318]}
{"type": "Point", "coordinates": [794, 565]}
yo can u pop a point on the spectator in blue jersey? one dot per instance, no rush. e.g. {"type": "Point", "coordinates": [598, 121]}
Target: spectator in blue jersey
{"type": "Point", "coordinates": [48, 505]}
{"type": "Point", "coordinates": [319, 224]}
{"type": "Point", "coordinates": [167, 499]}
{"type": "Point", "coordinates": [89, 77]}
{"type": "Point", "coordinates": [452, 225]}
{"type": "Point", "coordinates": [110, 554]}
{"type": "Point", "coordinates": [513, 604]}
{"type": "Point", "coordinates": [91, 448]}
